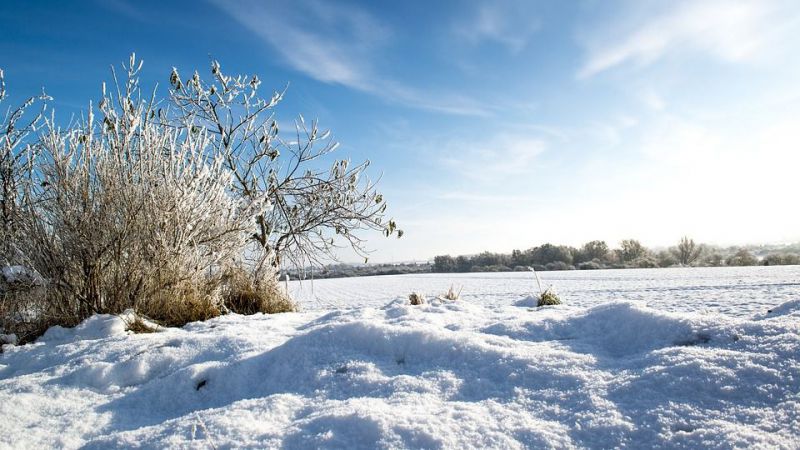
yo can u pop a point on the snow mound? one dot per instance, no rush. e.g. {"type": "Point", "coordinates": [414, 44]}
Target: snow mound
{"type": "Point", "coordinates": [790, 308]}
{"type": "Point", "coordinates": [98, 326]}
{"type": "Point", "coordinates": [615, 329]}
{"type": "Point", "coordinates": [441, 375]}
{"type": "Point", "coordinates": [527, 302]}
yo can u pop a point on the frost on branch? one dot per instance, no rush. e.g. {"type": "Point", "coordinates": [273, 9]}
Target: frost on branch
{"type": "Point", "coordinates": [17, 123]}
{"type": "Point", "coordinates": [316, 207]}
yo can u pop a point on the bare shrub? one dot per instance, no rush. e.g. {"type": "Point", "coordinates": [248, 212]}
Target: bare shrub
{"type": "Point", "coordinates": [687, 251]}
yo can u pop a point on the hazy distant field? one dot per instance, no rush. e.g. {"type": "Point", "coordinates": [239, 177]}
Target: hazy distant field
{"type": "Point", "coordinates": [738, 291]}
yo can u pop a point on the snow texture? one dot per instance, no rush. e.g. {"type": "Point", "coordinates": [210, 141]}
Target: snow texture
{"type": "Point", "coordinates": [11, 275]}
{"type": "Point", "coordinates": [446, 374]}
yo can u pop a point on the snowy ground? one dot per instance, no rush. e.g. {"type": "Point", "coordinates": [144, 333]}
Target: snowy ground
{"type": "Point", "coordinates": [735, 291]}
{"type": "Point", "coordinates": [486, 371]}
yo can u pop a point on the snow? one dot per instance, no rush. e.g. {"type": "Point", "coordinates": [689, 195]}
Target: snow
{"type": "Point", "coordinates": [735, 291]}
{"type": "Point", "coordinates": [529, 301]}
{"type": "Point", "coordinates": [98, 326]}
{"type": "Point", "coordinates": [10, 275]}
{"type": "Point", "coordinates": [477, 372]}
{"type": "Point", "coordinates": [8, 339]}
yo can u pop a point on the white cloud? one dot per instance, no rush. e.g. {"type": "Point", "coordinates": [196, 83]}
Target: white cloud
{"type": "Point", "coordinates": [724, 30]}
{"type": "Point", "coordinates": [337, 45]}
{"type": "Point", "coordinates": [508, 23]}
{"type": "Point", "coordinates": [329, 44]}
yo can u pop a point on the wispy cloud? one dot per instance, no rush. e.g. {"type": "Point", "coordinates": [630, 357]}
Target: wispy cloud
{"type": "Point", "coordinates": [727, 31]}
{"type": "Point", "coordinates": [507, 23]}
{"type": "Point", "coordinates": [126, 9]}
{"type": "Point", "coordinates": [338, 45]}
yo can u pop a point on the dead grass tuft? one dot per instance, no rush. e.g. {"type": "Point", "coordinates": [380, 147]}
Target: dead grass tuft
{"type": "Point", "coordinates": [141, 326]}
{"type": "Point", "coordinates": [182, 304]}
{"type": "Point", "coordinates": [244, 295]}
{"type": "Point", "coordinates": [416, 299]}
{"type": "Point", "coordinates": [451, 294]}
{"type": "Point", "coordinates": [548, 298]}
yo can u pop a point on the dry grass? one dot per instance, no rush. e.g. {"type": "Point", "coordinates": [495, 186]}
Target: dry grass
{"type": "Point", "coordinates": [140, 326]}
{"type": "Point", "coordinates": [416, 299]}
{"type": "Point", "coordinates": [175, 307]}
{"type": "Point", "coordinates": [28, 313]}
{"type": "Point", "coordinates": [451, 294]}
{"type": "Point", "coordinates": [548, 298]}
{"type": "Point", "coordinates": [243, 295]}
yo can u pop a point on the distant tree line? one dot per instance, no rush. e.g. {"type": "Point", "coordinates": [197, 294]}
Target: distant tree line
{"type": "Point", "coordinates": [356, 270]}
{"type": "Point", "coordinates": [629, 254]}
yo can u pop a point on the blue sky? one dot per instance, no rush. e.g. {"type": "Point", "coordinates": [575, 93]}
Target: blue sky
{"type": "Point", "coordinates": [495, 125]}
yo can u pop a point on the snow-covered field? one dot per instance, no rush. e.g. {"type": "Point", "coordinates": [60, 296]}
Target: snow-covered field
{"type": "Point", "coordinates": [736, 291]}
{"type": "Point", "coordinates": [670, 358]}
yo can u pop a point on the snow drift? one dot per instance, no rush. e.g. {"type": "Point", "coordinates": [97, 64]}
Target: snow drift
{"type": "Point", "coordinates": [441, 375]}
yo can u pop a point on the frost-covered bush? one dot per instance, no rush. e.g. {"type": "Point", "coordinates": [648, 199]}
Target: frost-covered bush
{"type": "Point", "coordinates": [742, 258]}
{"type": "Point", "coordinates": [178, 208]}
{"type": "Point", "coordinates": [558, 265]}
{"type": "Point", "coordinates": [127, 213]}
{"type": "Point", "coordinates": [781, 259]}
{"type": "Point", "coordinates": [590, 265]}
{"type": "Point", "coordinates": [713, 259]}
{"type": "Point", "coordinates": [630, 250]}
{"type": "Point", "coordinates": [666, 258]}
{"type": "Point", "coordinates": [17, 123]}
{"type": "Point", "coordinates": [595, 251]}
{"type": "Point", "coordinates": [644, 262]}
{"type": "Point", "coordinates": [320, 204]}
